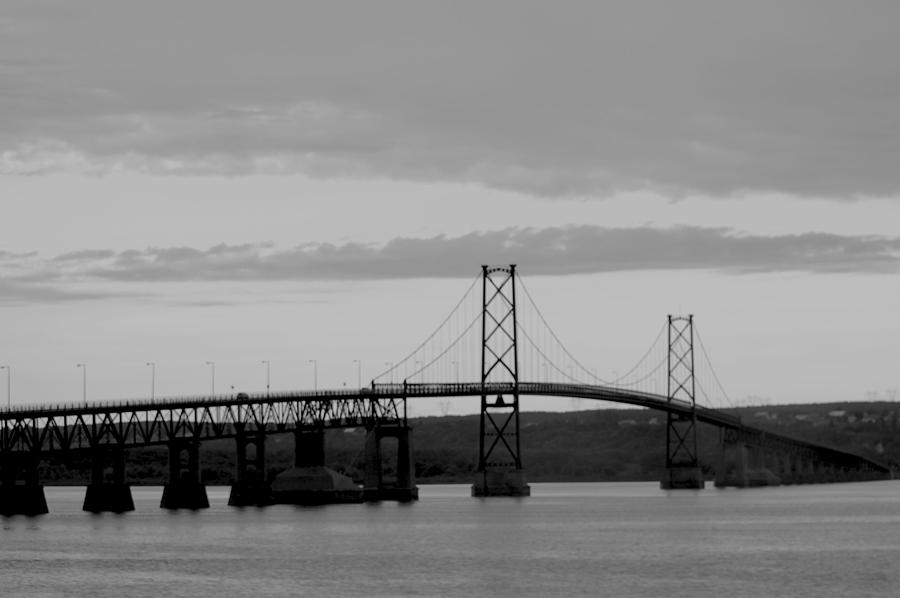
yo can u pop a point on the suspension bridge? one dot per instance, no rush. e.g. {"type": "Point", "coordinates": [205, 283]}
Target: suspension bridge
{"type": "Point", "coordinates": [494, 344]}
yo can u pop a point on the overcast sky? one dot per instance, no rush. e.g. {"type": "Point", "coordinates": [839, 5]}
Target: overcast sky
{"type": "Point", "coordinates": [287, 181]}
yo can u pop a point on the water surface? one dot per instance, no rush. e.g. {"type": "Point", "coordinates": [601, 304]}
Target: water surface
{"type": "Point", "coordinates": [611, 539]}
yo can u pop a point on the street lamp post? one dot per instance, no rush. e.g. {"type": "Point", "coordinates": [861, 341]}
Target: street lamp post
{"type": "Point", "coordinates": [83, 367]}
{"type": "Point", "coordinates": [212, 364]}
{"type": "Point", "coordinates": [390, 367]}
{"type": "Point", "coordinates": [456, 365]}
{"type": "Point", "coordinates": [266, 361]}
{"type": "Point", "coordinates": [315, 375]}
{"type": "Point", "coordinates": [152, 365]}
{"type": "Point", "coordinates": [358, 363]}
{"type": "Point", "coordinates": [8, 369]}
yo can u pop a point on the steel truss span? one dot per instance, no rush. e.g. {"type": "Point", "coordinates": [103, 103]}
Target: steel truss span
{"type": "Point", "coordinates": [148, 423]}
{"type": "Point", "coordinates": [49, 429]}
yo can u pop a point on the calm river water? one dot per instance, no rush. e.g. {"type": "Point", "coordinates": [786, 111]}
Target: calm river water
{"type": "Point", "coordinates": [615, 539]}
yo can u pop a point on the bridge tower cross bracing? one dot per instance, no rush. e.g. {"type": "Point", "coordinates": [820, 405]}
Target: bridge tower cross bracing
{"type": "Point", "coordinates": [682, 464]}
{"type": "Point", "coordinates": [500, 470]}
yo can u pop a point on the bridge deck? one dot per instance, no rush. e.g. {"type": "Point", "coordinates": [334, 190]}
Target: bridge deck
{"type": "Point", "coordinates": [144, 422]}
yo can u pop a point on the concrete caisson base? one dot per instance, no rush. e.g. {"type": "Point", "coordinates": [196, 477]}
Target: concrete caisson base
{"type": "Point", "coordinates": [250, 494]}
{"type": "Point", "coordinates": [501, 483]}
{"type": "Point", "coordinates": [113, 498]}
{"type": "Point", "coordinates": [683, 478]}
{"type": "Point", "coordinates": [22, 499]}
{"type": "Point", "coordinates": [184, 495]}
{"type": "Point", "coordinates": [749, 478]}
{"type": "Point", "coordinates": [762, 477]}
{"type": "Point", "coordinates": [395, 494]}
{"type": "Point", "coordinates": [314, 485]}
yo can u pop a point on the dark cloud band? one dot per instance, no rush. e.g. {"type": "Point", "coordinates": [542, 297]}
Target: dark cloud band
{"type": "Point", "coordinates": [554, 251]}
{"type": "Point", "coordinates": [800, 98]}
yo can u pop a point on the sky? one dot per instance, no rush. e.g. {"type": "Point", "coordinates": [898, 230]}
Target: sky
{"type": "Point", "coordinates": [314, 185]}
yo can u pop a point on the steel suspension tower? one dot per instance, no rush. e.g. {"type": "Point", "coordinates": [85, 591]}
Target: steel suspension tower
{"type": "Point", "coordinates": [499, 452]}
{"type": "Point", "coordinates": [682, 464]}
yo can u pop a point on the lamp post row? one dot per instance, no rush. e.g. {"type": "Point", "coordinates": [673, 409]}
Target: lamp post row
{"type": "Point", "coordinates": [8, 369]}
{"type": "Point", "coordinates": [83, 367]}
{"type": "Point", "coordinates": [315, 365]}
{"type": "Point", "coordinates": [266, 361]}
{"type": "Point", "coordinates": [152, 365]}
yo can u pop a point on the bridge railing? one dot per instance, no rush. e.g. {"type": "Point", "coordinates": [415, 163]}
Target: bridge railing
{"type": "Point", "coordinates": [177, 401]}
{"type": "Point", "coordinates": [375, 391]}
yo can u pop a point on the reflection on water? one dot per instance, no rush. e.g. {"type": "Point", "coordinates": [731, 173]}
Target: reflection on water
{"type": "Point", "coordinates": [617, 539]}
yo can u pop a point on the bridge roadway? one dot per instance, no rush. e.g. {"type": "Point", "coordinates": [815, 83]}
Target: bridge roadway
{"type": "Point", "coordinates": [52, 428]}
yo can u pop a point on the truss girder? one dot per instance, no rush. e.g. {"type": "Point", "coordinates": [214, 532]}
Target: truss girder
{"type": "Point", "coordinates": [57, 430]}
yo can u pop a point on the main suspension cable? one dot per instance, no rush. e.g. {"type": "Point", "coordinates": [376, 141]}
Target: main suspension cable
{"type": "Point", "coordinates": [711, 368]}
{"type": "Point", "coordinates": [433, 334]}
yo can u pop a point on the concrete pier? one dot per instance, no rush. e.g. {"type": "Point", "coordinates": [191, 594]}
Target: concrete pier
{"type": "Point", "coordinates": [309, 448]}
{"type": "Point", "coordinates": [499, 482]}
{"type": "Point", "coordinates": [742, 464]}
{"type": "Point", "coordinates": [309, 482]}
{"type": "Point", "coordinates": [109, 497]}
{"type": "Point", "coordinates": [112, 495]}
{"type": "Point", "coordinates": [21, 492]}
{"type": "Point", "coordinates": [314, 486]}
{"type": "Point", "coordinates": [250, 487]}
{"type": "Point", "coordinates": [22, 499]}
{"type": "Point", "coordinates": [184, 489]}
{"type": "Point", "coordinates": [683, 478]}
{"type": "Point", "coordinates": [377, 486]}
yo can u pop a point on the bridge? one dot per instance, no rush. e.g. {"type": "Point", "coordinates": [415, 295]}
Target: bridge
{"type": "Point", "coordinates": [516, 354]}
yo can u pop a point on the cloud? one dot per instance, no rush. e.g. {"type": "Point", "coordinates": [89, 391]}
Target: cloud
{"type": "Point", "coordinates": [88, 254]}
{"type": "Point", "coordinates": [29, 292]}
{"type": "Point", "coordinates": [571, 99]}
{"type": "Point", "coordinates": [554, 251]}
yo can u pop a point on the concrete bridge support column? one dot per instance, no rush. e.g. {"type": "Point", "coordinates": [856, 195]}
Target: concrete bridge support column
{"type": "Point", "coordinates": [768, 463]}
{"type": "Point", "coordinates": [869, 473]}
{"type": "Point", "coordinates": [184, 489]}
{"type": "Point", "coordinates": [21, 492]}
{"type": "Point", "coordinates": [788, 472]}
{"type": "Point", "coordinates": [309, 482]}
{"type": "Point", "coordinates": [818, 472]}
{"type": "Point", "coordinates": [743, 462]}
{"type": "Point", "coordinates": [824, 474]}
{"type": "Point", "coordinates": [808, 470]}
{"type": "Point", "coordinates": [683, 478]}
{"type": "Point", "coordinates": [732, 467]}
{"type": "Point", "coordinates": [755, 464]}
{"type": "Point", "coordinates": [758, 472]}
{"type": "Point", "coordinates": [798, 473]}
{"type": "Point", "coordinates": [250, 487]}
{"type": "Point", "coordinates": [108, 495]}
{"type": "Point", "coordinates": [377, 487]}
{"type": "Point", "coordinates": [309, 448]}
{"type": "Point", "coordinates": [855, 474]}
{"type": "Point", "coordinates": [815, 472]}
